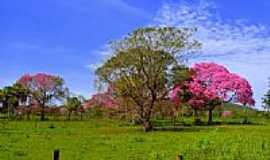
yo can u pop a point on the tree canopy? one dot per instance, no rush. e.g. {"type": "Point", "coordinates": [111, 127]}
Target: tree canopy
{"type": "Point", "coordinates": [12, 96]}
{"type": "Point", "coordinates": [211, 85]}
{"type": "Point", "coordinates": [72, 104]}
{"type": "Point", "coordinates": [143, 65]}
{"type": "Point", "coordinates": [173, 40]}
{"type": "Point", "coordinates": [44, 88]}
{"type": "Point", "coordinates": [266, 100]}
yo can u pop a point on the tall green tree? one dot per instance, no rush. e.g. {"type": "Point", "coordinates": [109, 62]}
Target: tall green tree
{"type": "Point", "coordinates": [12, 96]}
{"type": "Point", "coordinates": [73, 104]}
{"type": "Point", "coordinates": [266, 100]}
{"type": "Point", "coordinates": [2, 96]}
{"type": "Point", "coordinates": [142, 66]}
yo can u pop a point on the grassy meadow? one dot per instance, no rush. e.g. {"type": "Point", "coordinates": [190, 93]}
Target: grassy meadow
{"type": "Point", "coordinates": [104, 139]}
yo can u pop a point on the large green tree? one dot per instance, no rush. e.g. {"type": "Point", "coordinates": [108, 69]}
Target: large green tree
{"type": "Point", "coordinates": [2, 96]}
{"type": "Point", "coordinates": [12, 96]}
{"type": "Point", "coordinates": [73, 104]}
{"type": "Point", "coordinates": [143, 65]}
{"type": "Point", "coordinates": [266, 100]}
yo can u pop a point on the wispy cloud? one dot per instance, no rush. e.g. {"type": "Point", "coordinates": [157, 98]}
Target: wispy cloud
{"type": "Point", "coordinates": [219, 36]}
{"type": "Point", "coordinates": [104, 52]}
{"type": "Point", "coordinates": [92, 67]}
{"type": "Point", "coordinates": [38, 48]}
{"type": "Point", "coordinates": [120, 6]}
{"type": "Point", "coordinates": [123, 6]}
{"type": "Point", "coordinates": [242, 46]}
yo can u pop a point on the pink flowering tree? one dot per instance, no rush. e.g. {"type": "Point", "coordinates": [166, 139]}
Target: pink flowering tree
{"type": "Point", "coordinates": [44, 88]}
{"type": "Point", "coordinates": [212, 85]}
{"type": "Point", "coordinates": [104, 99]}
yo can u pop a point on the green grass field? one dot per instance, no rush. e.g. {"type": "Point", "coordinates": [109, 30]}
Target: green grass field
{"type": "Point", "coordinates": [112, 140]}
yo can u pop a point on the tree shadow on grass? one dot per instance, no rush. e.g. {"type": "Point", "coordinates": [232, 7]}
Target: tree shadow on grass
{"type": "Point", "coordinates": [243, 123]}
{"type": "Point", "coordinates": [181, 128]}
{"type": "Point", "coordinates": [203, 126]}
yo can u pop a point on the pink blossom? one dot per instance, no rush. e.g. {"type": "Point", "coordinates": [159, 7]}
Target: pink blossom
{"type": "Point", "coordinates": [227, 113]}
{"type": "Point", "coordinates": [214, 82]}
{"type": "Point", "coordinates": [40, 81]}
{"type": "Point", "coordinates": [105, 100]}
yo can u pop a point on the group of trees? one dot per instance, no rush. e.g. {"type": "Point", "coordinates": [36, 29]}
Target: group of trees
{"type": "Point", "coordinates": [146, 72]}
{"type": "Point", "coordinates": [37, 91]}
{"type": "Point", "coordinates": [12, 96]}
{"type": "Point", "coordinates": [147, 65]}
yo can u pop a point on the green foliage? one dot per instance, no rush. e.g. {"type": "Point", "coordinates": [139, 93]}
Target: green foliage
{"type": "Point", "coordinates": [143, 66]}
{"type": "Point", "coordinates": [140, 74]}
{"type": "Point", "coordinates": [2, 95]}
{"type": "Point", "coordinates": [181, 73]}
{"type": "Point", "coordinates": [172, 40]}
{"type": "Point", "coordinates": [266, 101]}
{"type": "Point", "coordinates": [12, 96]}
{"type": "Point", "coordinates": [73, 103]}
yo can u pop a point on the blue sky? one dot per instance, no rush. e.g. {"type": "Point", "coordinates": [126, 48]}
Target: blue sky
{"type": "Point", "coordinates": [67, 37]}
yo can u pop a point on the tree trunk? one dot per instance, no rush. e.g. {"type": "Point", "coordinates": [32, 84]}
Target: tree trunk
{"type": "Point", "coordinates": [42, 118]}
{"type": "Point", "coordinates": [81, 116]}
{"type": "Point", "coordinates": [197, 117]}
{"type": "Point", "coordinates": [8, 111]}
{"type": "Point", "coordinates": [5, 106]}
{"type": "Point", "coordinates": [28, 112]}
{"type": "Point", "coordinates": [210, 116]}
{"type": "Point", "coordinates": [28, 116]}
{"type": "Point", "coordinates": [147, 126]}
{"type": "Point", "coordinates": [69, 115]}
{"type": "Point", "coordinates": [137, 121]}
{"type": "Point", "coordinates": [245, 121]}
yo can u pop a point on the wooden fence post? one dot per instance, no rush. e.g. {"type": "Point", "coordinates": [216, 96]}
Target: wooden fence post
{"type": "Point", "coordinates": [56, 154]}
{"type": "Point", "coordinates": [179, 157]}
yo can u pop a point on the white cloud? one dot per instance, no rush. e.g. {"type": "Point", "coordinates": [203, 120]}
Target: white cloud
{"type": "Point", "coordinates": [122, 6]}
{"type": "Point", "coordinates": [92, 67]}
{"type": "Point", "coordinates": [25, 46]}
{"type": "Point", "coordinates": [219, 36]}
{"type": "Point", "coordinates": [104, 52]}
{"type": "Point", "coordinates": [118, 6]}
{"type": "Point", "coordinates": [243, 47]}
